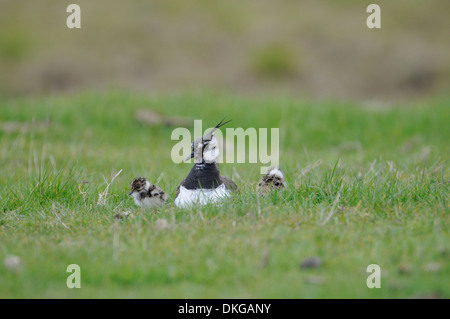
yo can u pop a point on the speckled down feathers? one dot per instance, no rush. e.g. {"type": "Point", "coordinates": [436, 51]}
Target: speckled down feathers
{"type": "Point", "coordinates": [273, 180]}
{"type": "Point", "coordinates": [146, 194]}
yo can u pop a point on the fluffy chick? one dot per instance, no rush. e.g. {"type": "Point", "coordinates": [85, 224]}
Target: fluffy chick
{"type": "Point", "coordinates": [273, 180]}
{"type": "Point", "coordinates": [146, 194]}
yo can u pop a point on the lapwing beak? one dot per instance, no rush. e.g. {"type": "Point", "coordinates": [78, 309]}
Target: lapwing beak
{"type": "Point", "coordinates": [190, 156]}
{"type": "Point", "coordinates": [130, 193]}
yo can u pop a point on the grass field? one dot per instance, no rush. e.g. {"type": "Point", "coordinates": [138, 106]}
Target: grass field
{"type": "Point", "coordinates": [367, 184]}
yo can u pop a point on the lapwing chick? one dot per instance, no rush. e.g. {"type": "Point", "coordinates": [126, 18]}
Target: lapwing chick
{"type": "Point", "coordinates": [273, 180]}
{"type": "Point", "coordinates": [147, 195]}
{"type": "Point", "coordinates": [204, 184]}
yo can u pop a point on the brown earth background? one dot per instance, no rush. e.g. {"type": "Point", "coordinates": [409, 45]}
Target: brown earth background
{"type": "Point", "coordinates": [315, 49]}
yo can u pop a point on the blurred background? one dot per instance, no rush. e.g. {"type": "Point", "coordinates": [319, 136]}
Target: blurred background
{"type": "Point", "coordinates": [317, 49]}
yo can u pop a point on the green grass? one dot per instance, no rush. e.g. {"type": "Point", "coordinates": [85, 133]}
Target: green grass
{"type": "Point", "coordinates": [366, 184]}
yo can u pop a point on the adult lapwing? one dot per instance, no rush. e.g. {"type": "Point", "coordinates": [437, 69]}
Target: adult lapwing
{"type": "Point", "coordinates": [147, 195]}
{"type": "Point", "coordinates": [273, 180]}
{"type": "Point", "coordinates": [204, 184]}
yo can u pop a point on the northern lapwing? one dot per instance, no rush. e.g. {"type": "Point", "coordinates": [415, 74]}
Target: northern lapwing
{"type": "Point", "coordinates": [204, 184]}
{"type": "Point", "coordinates": [147, 195]}
{"type": "Point", "coordinates": [273, 180]}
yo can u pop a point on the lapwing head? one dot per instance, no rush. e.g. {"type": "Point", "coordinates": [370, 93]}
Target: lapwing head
{"type": "Point", "coordinates": [138, 185]}
{"type": "Point", "coordinates": [205, 149]}
{"type": "Point", "coordinates": [276, 177]}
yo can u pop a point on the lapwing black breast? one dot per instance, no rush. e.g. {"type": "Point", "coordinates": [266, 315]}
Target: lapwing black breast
{"type": "Point", "coordinates": [205, 181]}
